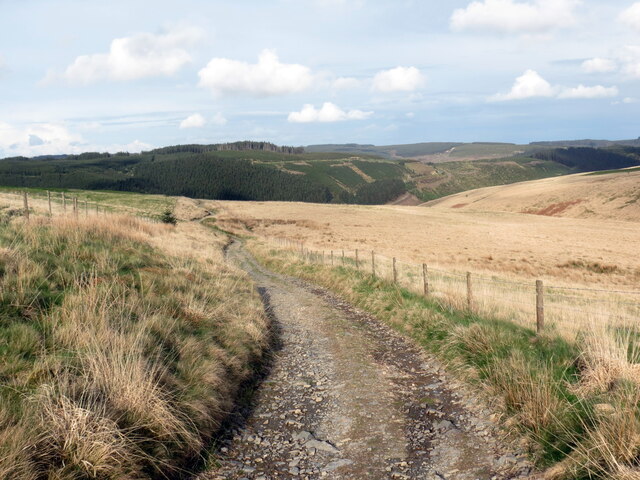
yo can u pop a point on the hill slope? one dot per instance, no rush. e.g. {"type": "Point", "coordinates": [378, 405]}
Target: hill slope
{"type": "Point", "coordinates": [605, 195]}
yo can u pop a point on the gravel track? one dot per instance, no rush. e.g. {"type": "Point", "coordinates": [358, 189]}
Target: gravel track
{"type": "Point", "coordinates": [347, 398]}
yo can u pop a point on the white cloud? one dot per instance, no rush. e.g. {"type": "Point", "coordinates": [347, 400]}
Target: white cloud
{"type": "Point", "coordinates": [219, 119]}
{"type": "Point", "coordinates": [599, 65]}
{"type": "Point", "coordinates": [266, 78]}
{"type": "Point", "coordinates": [630, 57]}
{"type": "Point", "coordinates": [130, 58]}
{"type": "Point", "coordinates": [509, 16]}
{"type": "Point", "coordinates": [528, 85]}
{"type": "Point", "coordinates": [631, 16]}
{"type": "Point", "coordinates": [581, 91]}
{"type": "Point", "coordinates": [193, 121]}
{"type": "Point", "coordinates": [399, 79]}
{"type": "Point", "coordinates": [532, 85]}
{"type": "Point", "coordinates": [327, 113]}
{"type": "Point", "coordinates": [340, 3]}
{"type": "Point", "coordinates": [346, 83]}
{"type": "Point", "coordinates": [53, 139]}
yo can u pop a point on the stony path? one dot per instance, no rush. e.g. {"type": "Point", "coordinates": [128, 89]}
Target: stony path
{"type": "Point", "coordinates": [347, 398]}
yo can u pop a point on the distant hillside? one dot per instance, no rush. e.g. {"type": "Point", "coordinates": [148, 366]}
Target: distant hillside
{"type": "Point", "coordinates": [589, 143]}
{"type": "Point", "coordinates": [435, 152]}
{"type": "Point", "coordinates": [264, 171]}
{"type": "Point", "coordinates": [387, 151]}
{"type": "Point", "coordinates": [607, 195]}
{"type": "Point", "coordinates": [239, 171]}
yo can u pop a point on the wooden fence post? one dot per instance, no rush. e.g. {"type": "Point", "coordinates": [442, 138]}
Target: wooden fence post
{"type": "Point", "coordinates": [395, 271]}
{"type": "Point", "coordinates": [343, 258]}
{"type": "Point", "coordinates": [26, 205]}
{"type": "Point", "coordinates": [332, 258]}
{"type": "Point", "coordinates": [49, 200]}
{"type": "Point", "coordinates": [357, 261]}
{"type": "Point", "coordinates": [75, 206]}
{"type": "Point", "coordinates": [64, 203]}
{"type": "Point", "coordinates": [469, 292]}
{"type": "Point", "coordinates": [539, 306]}
{"type": "Point", "coordinates": [97, 209]}
{"type": "Point", "coordinates": [322, 257]}
{"type": "Point", "coordinates": [425, 279]}
{"type": "Point", "coordinates": [373, 263]}
{"type": "Point", "coordinates": [86, 209]}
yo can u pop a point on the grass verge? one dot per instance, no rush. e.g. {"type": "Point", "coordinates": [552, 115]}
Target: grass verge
{"type": "Point", "coordinates": [122, 346]}
{"type": "Point", "coordinates": [577, 403]}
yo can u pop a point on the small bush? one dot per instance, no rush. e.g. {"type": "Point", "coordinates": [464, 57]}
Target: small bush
{"type": "Point", "coordinates": [168, 217]}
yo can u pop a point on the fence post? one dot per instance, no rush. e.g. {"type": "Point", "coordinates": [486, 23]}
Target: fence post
{"type": "Point", "coordinates": [322, 257]}
{"type": "Point", "coordinates": [343, 258]}
{"type": "Point", "coordinates": [97, 209]}
{"type": "Point", "coordinates": [49, 200]}
{"type": "Point", "coordinates": [332, 258]}
{"type": "Point", "coordinates": [425, 279]}
{"type": "Point", "coordinates": [539, 306]}
{"type": "Point", "coordinates": [373, 263]}
{"type": "Point", "coordinates": [75, 206]}
{"type": "Point", "coordinates": [395, 271]}
{"type": "Point", "coordinates": [469, 292]}
{"type": "Point", "coordinates": [26, 205]}
{"type": "Point", "coordinates": [86, 209]}
{"type": "Point", "coordinates": [357, 261]}
{"type": "Point", "coordinates": [64, 203]}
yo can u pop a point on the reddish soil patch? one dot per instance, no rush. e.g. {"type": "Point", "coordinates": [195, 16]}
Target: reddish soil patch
{"type": "Point", "coordinates": [459, 205]}
{"type": "Point", "coordinates": [555, 208]}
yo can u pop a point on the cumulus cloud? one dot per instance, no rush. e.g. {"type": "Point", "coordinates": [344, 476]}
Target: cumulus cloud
{"type": "Point", "coordinates": [581, 91]}
{"type": "Point", "coordinates": [52, 139]}
{"type": "Point", "coordinates": [599, 65]}
{"type": "Point", "coordinates": [193, 121]}
{"type": "Point", "coordinates": [630, 57]}
{"type": "Point", "coordinates": [399, 79]}
{"type": "Point", "coordinates": [326, 114]}
{"type": "Point", "coordinates": [509, 16]}
{"type": "Point", "coordinates": [532, 85]}
{"type": "Point", "coordinates": [346, 83]}
{"type": "Point", "coordinates": [219, 119]}
{"type": "Point", "coordinates": [131, 58]}
{"type": "Point", "coordinates": [528, 85]}
{"type": "Point", "coordinates": [268, 77]}
{"type": "Point", "coordinates": [631, 16]}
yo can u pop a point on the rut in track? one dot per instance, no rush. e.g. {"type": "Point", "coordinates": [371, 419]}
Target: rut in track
{"type": "Point", "coordinates": [348, 398]}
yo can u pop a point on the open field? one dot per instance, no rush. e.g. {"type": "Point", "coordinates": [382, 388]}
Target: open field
{"type": "Point", "coordinates": [516, 245]}
{"type": "Point", "coordinates": [505, 252]}
{"type": "Point", "coordinates": [601, 195]}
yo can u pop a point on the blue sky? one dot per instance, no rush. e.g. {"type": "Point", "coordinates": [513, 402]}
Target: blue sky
{"type": "Point", "coordinates": [78, 75]}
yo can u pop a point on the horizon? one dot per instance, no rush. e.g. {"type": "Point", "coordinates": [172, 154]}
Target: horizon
{"type": "Point", "coordinates": [138, 76]}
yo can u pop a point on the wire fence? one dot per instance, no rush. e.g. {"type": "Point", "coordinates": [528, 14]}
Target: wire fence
{"type": "Point", "coordinates": [566, 310]}
{"type": "Point", "coordinates": [59, 203]}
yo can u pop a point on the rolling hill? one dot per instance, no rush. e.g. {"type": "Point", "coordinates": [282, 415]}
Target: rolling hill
{"type": "Point", "coordinates": [266, 172]}
{"type": "Point", "coordinates": [611, 194]}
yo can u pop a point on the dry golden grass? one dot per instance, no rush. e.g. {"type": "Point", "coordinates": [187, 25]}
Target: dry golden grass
{"type": "Point", "coordinates": [505, 252]}
{"type": "Point", "coordinates": [564, 250]}
{"type": "Point", "coordinates": [612, 196]}
{"type": "Point", "coordinates": [122, 345]}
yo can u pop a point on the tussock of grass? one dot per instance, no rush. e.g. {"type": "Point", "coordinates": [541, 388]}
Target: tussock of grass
{"type": "Point", "coordinates": [577, 402]}
{"type": "Point", "coordinates": [119, 358]}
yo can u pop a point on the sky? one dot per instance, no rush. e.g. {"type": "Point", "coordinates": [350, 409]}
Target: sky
{"type": "Point", "coordinates": [85, 75]}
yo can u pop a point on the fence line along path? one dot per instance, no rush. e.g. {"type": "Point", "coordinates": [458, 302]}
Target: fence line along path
{"type": "Point", "coordinates": [564, 309]}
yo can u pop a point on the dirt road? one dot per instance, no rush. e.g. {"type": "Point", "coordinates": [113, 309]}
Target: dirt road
{"type": "Point", "coordinates": [347, 398]}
